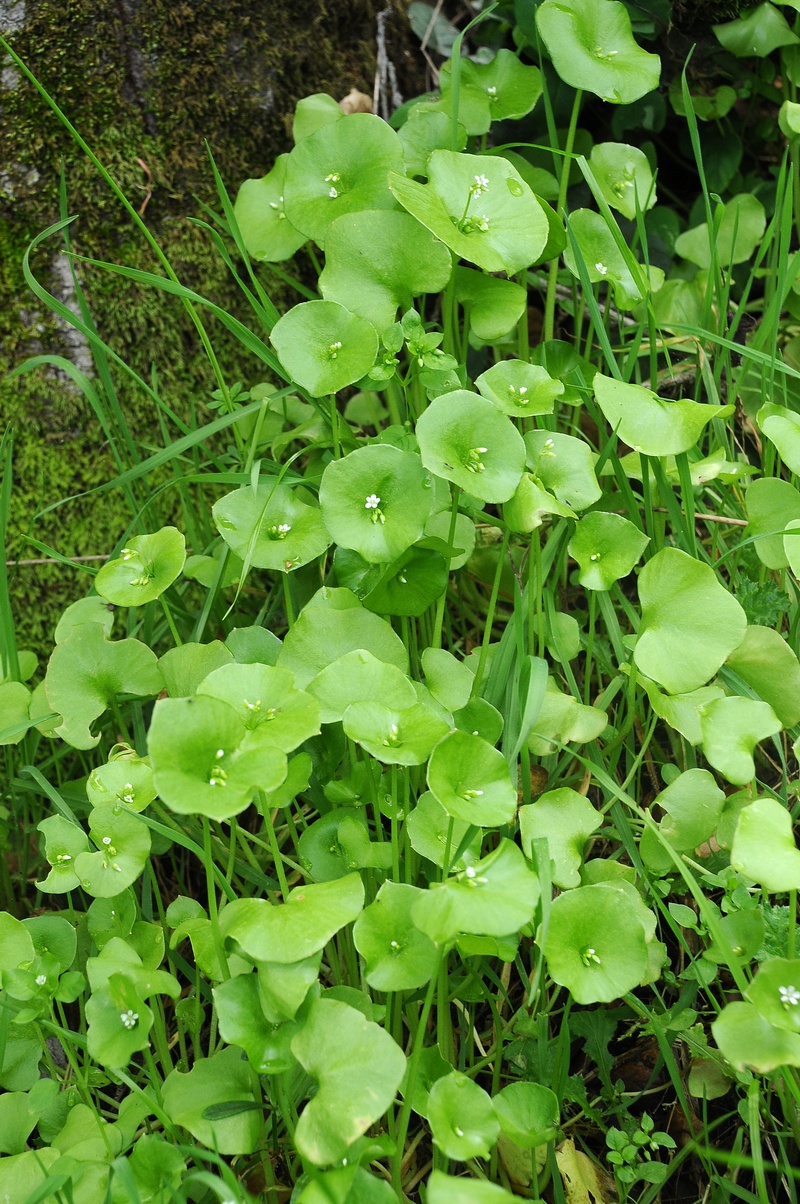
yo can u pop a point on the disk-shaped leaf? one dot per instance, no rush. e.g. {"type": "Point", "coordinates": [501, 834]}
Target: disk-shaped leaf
{"type": "Point", "coordinates": [562, 719]}
{"type": "Point", "coordinates": [528, 1113]}
{"type": "Point", "coordinates": [465, 439]}
{"type": "Point", "coordinates": [410, 584]}
{"type": "Point", "coordinates": [86, 672]}
{"type": "Point", "coordinates": [768, 665]}
{"type": "Point", "coordinates": [763, 846]}
{"type": "Point", "coordinates": [756, 33]}
{"type": "Point", "coordinates": [268, 234]}
{"type": "Point", "coordinates": [509, 88]}
{"type": "Point", "coordinates": [14, 711]}
{"type": "Point", "coordinates": [398, 956]}
{"type": "Point", "coordinates": [425, 131]}
{"type": "Point", "coordinates": [313, 113]}
{"type": "Point", "coordinates": [438, 527]}
{"type": "Point", "coordinates": [242, 1022]}
{"type": "Point", "coordinates": [472, 781]}
{"type": "Point", "coordinates": [270, 528]}
{"type": "Point", "coordinates": [223, 1078]}
{"type": "Point", "coordinates": [377, 261]}
{"type": "Point", "coordinates": [204, 760]}
{"type": "Point", "coordinates": [566, 820]}
{"type": "Point", "coordinates": [332, 624]}
{"type": "Point", "coordinates": [771, 505]}
{"type": "Point", "coordinates": [606, 547]}
{"type": "Point", "coordinates": [495, 305]}
{"type": "Point", "coordinates": [480, 207]}
{"type": "Point", "coordinates": [624, 177]}
{"type": "Point", "coordinates": [448, 1189]}
{"type": "Point", "coordinates": [462, 1119]}
{"type": "Point", "coordinates": [692, 804]}
{"type": "Point", "coordinates": [775, 991]}
{"type": "Point", "coordinates": [448, 679]}
{"type": "Point", "coordinates": [749, 1041]}
{"type": "Point", "coordinates": [294, 930]}
{"type": "Point", "coordinates": [359, 1068]}
{"type": "Point", "coordinates": [127, 781]}
{"type": "Point", "coordinates": [519, 388]}
{"type": "Point", "coordinates": [147, 565]}
{"type": "Point", "coordinates": [63, 842]}
{"type": "Point", "coordinates": [732, 727]}
{"type": "Point", "coordinates": [266, 701]}
{"type": "Point", "coordinates": [360, 677]}
{"type": "Point", "coordinates": [86, 610]}
{"type": "Point", "coordinates": [123, 844]}
{"type": "Point", "coordinates": [647, 422]}
{"type": "Point", "coordinates": [530, 504]}
{"type": "Point", "coordinates": [740, 232]}
{"type": "Point", "coordinates": [493, 897]}
{"type": "Point", "coordinates": [690, 623]}
{"type": "Point", "coordinates": [782, 427]}
{"type": "Point", "coordinates": [323, 346]}
{"type": "Point", "coordinates": [583, 945]}
{"type": "Point", "coordinates": [376, 500]}
{"type": "Point", "coordinates": [565, 466]}
{"type": "Point", "coordinates": [341, 168]}
{"type": "Point", "coordinates": [186, 665]}
{"type": "Point", "coordinates": [428, 828]}
{"type": "Point", "coordinates": [604, 261]}
{"type": "Point", "coordinates": [395, 737]}
{"type": "Point", "coordinates": [592, 47]}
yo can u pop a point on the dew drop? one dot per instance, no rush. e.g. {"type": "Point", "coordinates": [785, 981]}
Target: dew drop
{"type": "Point", "coordinates": [514, 186]}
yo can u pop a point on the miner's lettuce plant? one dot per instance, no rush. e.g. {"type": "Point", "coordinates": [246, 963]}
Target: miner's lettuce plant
{"type": "Point", "coordinates": [463, 729]}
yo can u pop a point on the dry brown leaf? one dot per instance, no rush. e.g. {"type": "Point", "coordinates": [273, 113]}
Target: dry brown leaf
{"type": "Point", "coordinates": [356, 102]}
{"type": "Point", "coordinates": [584, 1181]}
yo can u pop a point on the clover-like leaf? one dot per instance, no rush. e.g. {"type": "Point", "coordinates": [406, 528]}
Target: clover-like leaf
{"type": "Point", "coordinates": [471, 780]}
{"type": "Point", "coordinates": [267, 233]}
{"type": "Point", "coordinates": [205, 762]}
{"type": "Point", "coordinates": [332, 624]}
{"type": "Point", "coordinates": [519, 388]}
{"type": "Point", "coordinates": [583, 947]}
{"type": "Point", "coordinates": [266, 701]}
{"type": "Point", "coordinates": [731, 728]}
{"type": "Point", "coordinates": [147, 565]}
{"type": "Point", "coordinates": [359, 1068]}
{"type": "Point", "coordinates": [376, 500]}
{"type": "Point", "coordinates": [223, 1078]}
{"type": "Point", "coordinates": [606, 547]}
{"type": "Point", "coordinates": [123, 846]}
{"type": "Point", "coordinates": [270, 527]}
{"type": "Point", "coordinates": [565, 466]}
{"type": "Point", "coordinates": [323, 346]}
{"type": "Point", "coordinates": [764, 848]}
{"type": "Point", "coordinates": [740, 232]}
{"type": "Point", "coordinates": [647, 422]}
{"type": "Point", "coordinates": [340, 168]}
{"type": "Point", "coordinates": [85, 674]}
{"type": "Point", "coordinates": [624, 177]}
{"type": "Point", "coordinates": [398, 957]}
{"type": "Point", "coordinates": [463, 1122]}
{"type": "Point", "coordinates": [465, 439]}
{"type": "Point", "coordinates": [377, 261]}
{"type": "Point", "coordinates": [299, 927]}
{"type": "Point", "coordinates": [690, 623]}
{"type": "Point", "coordinates": [592, 47]}
{"type": "Point", "coordinates": [566, 820]}
{"type": "Point", "coordinates": [480, 207]}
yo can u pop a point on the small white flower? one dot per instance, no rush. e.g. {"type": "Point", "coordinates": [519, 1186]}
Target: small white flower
{"type": "Point", "coordinates": [601, 268]}
{"type": "Point", "coordinates": [790, 996]}
{"type": "Point", "coordinates": [41, 979]}
{"type": "Point", "coordinates": [220, 753]}
{"type": "Point", "coordinates": [129, 1019]}
{"type": "Point", "coordinates": [595, 556]}
{"type": "Point", "coordinates": [480, 185]}
{"type": "Point", "coordinates": [372, 502]}
{"type": "Point", "coordinates": [492, 92]}
{"type": "Point", "coordinates": [106, 840]}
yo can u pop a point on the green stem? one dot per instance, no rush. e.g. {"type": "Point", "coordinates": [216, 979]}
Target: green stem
{"type": "Point", "coordinates": [411, 1081]}
{"type": "Point", "coordinates": [211, 893]}
{"type": "Point", "coordinates": [438, 622]}
{"type": "Point", "coordinates": [552, 277]}
{"type": "Point", "coordinates": [487, 631]}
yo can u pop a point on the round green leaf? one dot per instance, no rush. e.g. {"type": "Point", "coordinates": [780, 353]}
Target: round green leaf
{"type": "Point", "coordinates": [313, 113]}
{"type": "Point", "coordinates": [495, 305]}
{"type": "Point", "coordinates": [86, 610]}
{"type": "Point", "coordinates": [731, 729]}
{"type": "Point", "coordinates": [624, 177]}
{"type": "Point", "coordinates": [398, 956]}
{"type": "Point", "coordinates": [410, 584]}
{"type": "Point", "coordinates": [448, 679]}
{"type": "Point", "coordinates": [428, 827]}
{"type": "Point", "coordinates": [480, 207]}
{"type": "Point", "coordinates": [763, 846]}
{"type": "Point", "coordinates": [749, 1041]}
{"type": "Point", "coordinates": [464, 438]}
{"type": "Point", "coordinates": [341, 168]}
{"type": "Point", "coordinates": [507, 87]}
{"type": "Point", "coordinates": [147, 565]}
{"type": "Point", "coordinates": [592, 47]}
{"type": "Point", "coordinates": [605, 262]}
{"type": "Point", "coordinates": [204, 760]}
{"type": "Point", "coordinates": [775, 991]}
{"type": "Point", "coordinates": [223, 1078]}
{"type": "Point", "coordinates": [782, 427]}
{"type": "Point", "coordinates": [299, 927]}
{"type": "Point", "coordinates": [123, 844]}
{"type": "Point", "coordinates": [376, 500]}
{"type": "Point", "coordinates": [528, 1113]}
{"type": "Point", "coordinates": [332, 624]}
{"type": "Point", "coordinates": [127, 781]}
{"type": "Point", "coordinates": [186, 665]}
{"type": "Point", "coordinates": [768, 665]}
{"type": "Point", "coordinates": [584, 947]}
{"type": "Point", "coordinates": [564, 465]}
{"type": "Point", "coordinates": [447, 1189]}
{"type": "Point", "coordinates": [358, 676]}
{"type": "Point", "coordinates": [566, 820]}
{"type": "Point", "coordinates": [378, 261]}
{"type": "Point", "coordinates": [266, 701]}
{"type": "Point", "coordinates": [740, 232]}
{"type": "Point", "coordinates": [394, 737]}
{"type": "Point", "coordinates": [63, 842]}
{"type": "Point", "coordinates": [647, 422]}
{"type": "Point", "coordinates": [259, 211]}
{"type": "Point", "coordinates": [462, 1119]}
{"type": "Point", "coordinates": [438, 527]}
{"type": "Point", "coordinates": [119, 1021]}
{"type": "Point", "coordinates": [425, 131]}
{"type": "Point", "coordinates": [359, 1068]}
{"type": "Point", "coordinates": [471, 780]}
{"type": "Point", "coordinates": [14, 711]}
{"type": "Point", "coordinates": [529, 505]}
{"type": "Point", "coordinates": [771, 505]}
{"type": "Point", "coordinates": [690, 623]}
{"type": "Point", "coordinates": [606, 547]}
{"type": "Point", "coordinates": [562, 719]}
{"type": "Point", "coordinates": [693, 803]}
{"type": "Point", "coordinates": [518, 388]}
{"type": "Point", "coordinates": [323, 346]}
{"type": "Point", "coordinates": [270, 527]}
{"type": "Point", "coordinates": [756, 33]}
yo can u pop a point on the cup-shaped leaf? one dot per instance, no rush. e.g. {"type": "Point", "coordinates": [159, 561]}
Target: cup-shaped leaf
{"type": "Point", "coordinates": [294, 930]}
{"type": "Point", "coordinates": [566, 820]}
{"type": "Point", "coordinates": [425, 131]}
{"type": "Point", "coordinates": [731, 728]}
{"type": "Point", "coordinates": [376, 500]}
{"type": "Point", "coordinates": [596, 945]}
{"type": "Point", "coordinates": [119, 1021]}
{"type": "Point", "coordinates": [592, 47]}
{"type": "Point", "coordinates": [771, 505]}
{"type": "Point", "coordinates": [86, 610]}
{"type": "Point", "coordinates": [528, 1113]}
{"type": "Point", "coordinates": [775, 991]}
{"type": "Point", "coordinates": [739, 233]}
{"type": "Point", "coordinates": [268, 234]}
{"type": "Point", "coordinates": [377, 261]}
{"type": "Point", "coordinates": [763, 846]}
{"type": "Point", "coordinates": [463, 1122]}
{"type": "Point", "coordinates": [624, 177]}
{"type": "Point", "coordinates": [493, 897]}
{"type": "Point", "coordinates": [332, 624]}
{"type": "Point", "coordinates": [757, 32]}
{"type": "Point", "coordinates": [395, 737]}
{"type": "Point", "coordinates": [360, 677]}
{"type": "Point", "coordinates": [123, 846]}
{"type": "Point", "coordinates": [397, 955]}
{"type": "Point", "coordinates": [480, 207]}
{"type": "Point", "coordinates": [465, 439]}
{"type": "Point", "coordinates": [527, 509]}
{"type": "Point", "coordinates": [495, 305]}
{"type": "Point", "coordinates": [63, 842]}
{"type": "Point", "coordinates": [606, 547]}
{"type": "Point", "coordinates": [509, 88]}
{"type": "Point", "coordinates": [562, 719]}
{"type": "Point", "coordinates": [86, 672]}
{"type": "Point", "coordinates": [519, 388]}
{"type": "Point", "coordinates": [768, 665]}
{"type": "Point", "coordinates": [428, 827]}
{"type": "Point", "coordinates": [690, 623]}
{"type": "Point", "coordinates": [605, 261]}
{"type": "Point", "coordinates": [212, 1082]}
{"type": "Point", "coordinates": [647, 422]}
{"type": "Point", "coordinates": [693, 803]}
{"type": "Point", "coordinates": [185, 666]}
{"type": "Point", "coordinates": [270, 527]}
{"type": "Point", "coordinates": [204, 760]}
{"type": "Point", "coordinates": [266, 701]}
{"type": "Point", "coordinates": [565, 466]}
{"type": "Point", "coordinates": [127, 781]}
{"type": "Point", "coordinates": [341, 168]}
{"type": "Point", "coordinates": [410, 584]}
{"type": "Point", "coordinates": [242, 1022]}
{"type": "Point", "coordinates": [146, 566]}
{"type": "Point", "coordinates": [448, 679]}
{"type": "Point", "coordinates": [472, 781]}
{"type": "Point", "coordinates": [313, 113]}
{"type": "Point", "coordinates": [323, 346]}
{"type": "Point", "coordinates": [749, 1041]}
{"type": "Point", "coordinates": [359, 1068]}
